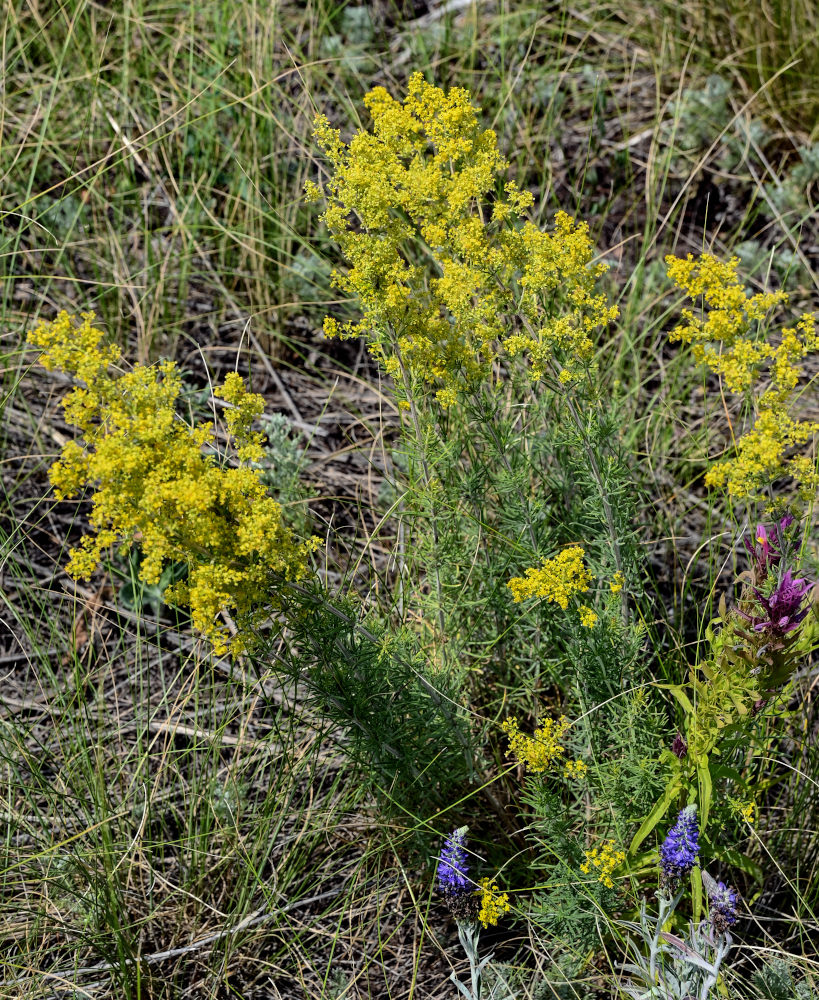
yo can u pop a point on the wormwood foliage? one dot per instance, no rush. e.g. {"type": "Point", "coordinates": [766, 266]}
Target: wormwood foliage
{"type": "Point", "coordinates": [155, 479]}
{"type": "Point", "coordinates": [731, 341]}
{"type": "Point", "coordinates": [439, 260]}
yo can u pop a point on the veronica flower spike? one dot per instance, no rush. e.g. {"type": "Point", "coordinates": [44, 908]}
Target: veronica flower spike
{"type": "Point", "coordinates": [680, 849]}
{"type": "Point", "coordinates": [456, 887]}
{"type": "Point", "coordinates": [724, 901]}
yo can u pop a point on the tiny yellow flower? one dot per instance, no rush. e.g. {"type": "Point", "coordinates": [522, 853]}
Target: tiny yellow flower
{"type": "Point", "coordinates": [493, 903]}
{"type": "Point", "coordinates": [557, 580]}
{"type": "Point", "coordinates": [605, 860]}
{"type": "Point", "coordinates": [540, 751]}
{"type": "Point", "coordinates": [575, 769]}
{"type": "Point", "coordinates": [588, 617]}
{"type": "Point", "coordinates": [616, 584]}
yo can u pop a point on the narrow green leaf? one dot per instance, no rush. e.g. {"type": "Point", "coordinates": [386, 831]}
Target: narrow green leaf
{"type": "Point", "coordinates": [738, 860]}
{"type": "Point", "coordinates": [658, 811]}
{"type": "Point", "coordinates": [705, 789]}
{"type": "Point", "coordinates": [696, 894]}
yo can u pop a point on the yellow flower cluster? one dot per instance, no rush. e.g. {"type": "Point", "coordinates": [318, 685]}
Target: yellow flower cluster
{"type": "Point", "coordinates": [617, 583]}
{"type": "Point", "coordinates": [745, 810]}
{"type": "Point", "coordinates": [604, 860]}
{"type": "Point", "coordinates": [420, 195]}
{"type": "Point", "coordinates": [493, 903]}
{"type": "Point", "coordinates": [588, 617]}
{"type": "Point", "coordinates": [542, 751]}
{"type": "Point", "coordinates": [154, 484]}
{"type": "Point", "coordinates": [557, 580]}
{"type": "Point", "coordinates": [730, 342]}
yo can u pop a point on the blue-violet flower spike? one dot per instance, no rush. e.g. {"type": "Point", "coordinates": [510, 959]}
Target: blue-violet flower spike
{"type": "Point", "coordinates": [724, 902]}
{"type": "Point", "coordinates": [455, 885]}
{"type": "Point", "coordinates": [679, 850]}
{"type": "Point", "coordinates": [452, 866]}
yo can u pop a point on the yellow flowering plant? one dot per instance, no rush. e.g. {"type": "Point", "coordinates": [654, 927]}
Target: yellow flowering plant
{"type": "Point", "coordinates": [731, 339]}
{"type": "Point", "coordinates": [155, 480]}
{"type": "Point", "coordinates": [604, 860]}
{"type": "Point", "coordinates": [493, 903]}
{"type": "Point", "coordinates": [543, 751]}
{"type": "Point", "coordinates": [558, 580]}
{"type": "Point", "coordinates": [440, 258]}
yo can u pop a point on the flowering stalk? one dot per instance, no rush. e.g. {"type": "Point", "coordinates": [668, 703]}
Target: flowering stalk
{"type": "Point", "coordinates": [669, 967]}
{"type": "Point", "coordinates": [471, 905]}
{"type": "Point", "coordinates": [679, 851]}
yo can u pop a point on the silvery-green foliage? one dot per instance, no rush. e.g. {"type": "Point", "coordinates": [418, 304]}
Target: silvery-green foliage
{"type": "Point", "coordinates": [788, 266]}
{"type": "Point", "coordinates": [283, 455]}
{"type": "Point", "coordinates": [790, 195]}
{"type": "Point", "coordinates": [702, 117]}
{"type": "Point", "coordinates": [775, 981]}
{"type": "Point", "coordinates": [667, 967]}
{"type": "Point", "coordinates": [355, 32]}
{"type": "Point", "coordinates": [497, 987]}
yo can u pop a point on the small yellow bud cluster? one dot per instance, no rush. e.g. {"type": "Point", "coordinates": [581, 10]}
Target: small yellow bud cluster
{"type": "Point", "coordinates": [588, 617]}
{"type": "Point", "coordinates": [438, 259]}
{"type": "Point", "coordinates": [730, 342]}
{"type": "Point", "coordinates": [544, 750]}
{"type": "Point", "coordinates": [617, 583]}
{"type": "Point", "coordinates": [557, 580]}
{"type": "Point", "coordinates": [153, 483]}
{"type": "Point", "coordinates": [604, 860]}
{"type": "Point", "coordinates": [494, 904]}
{"type": "Point", "coordinates": [745, 810]}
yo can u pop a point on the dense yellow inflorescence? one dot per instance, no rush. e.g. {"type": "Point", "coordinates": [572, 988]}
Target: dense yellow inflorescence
{"type": "Point", "coordinates": [557, 581]}
{"type": "Point", "coordinates": [543, 751]}
{"type": "Point", "coordinates": [588, 617]}
{"type": "Point", "coordinates": [153, 482]}
{"type": "Point", "coordinates": [729, 340]}
{"type": "Point", "coordinates": [605, 860]}
{"type": "Point", "coordinates": [439, 259]}
{"type": "Point", "coordinates": [494, 904]}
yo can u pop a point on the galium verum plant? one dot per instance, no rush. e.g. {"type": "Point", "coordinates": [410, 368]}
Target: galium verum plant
{"type": "Point", "coordinates": [156, 480]}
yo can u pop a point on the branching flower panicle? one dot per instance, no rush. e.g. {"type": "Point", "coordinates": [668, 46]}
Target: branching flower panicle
{"type": "Point", "coordinates": [588, 616]}
{"type": "Point", "coordinates": [493, 903]}
{"type": "Point", "coordinates": [728, 341]}
{"type": "Point", "coordinates": [543, 750]}
{"type": "Point", "coordinates": [425, 183]}
{"type": "Point", "coordinates": [605, 859]}
{"type": "Point", "coordinates": [557, 581]}
{"type": "Point", "coordinates": [153, 483]}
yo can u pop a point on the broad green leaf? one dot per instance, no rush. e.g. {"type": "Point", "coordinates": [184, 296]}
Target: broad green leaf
{"type": "Point", "coordinates": [679, 693]}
